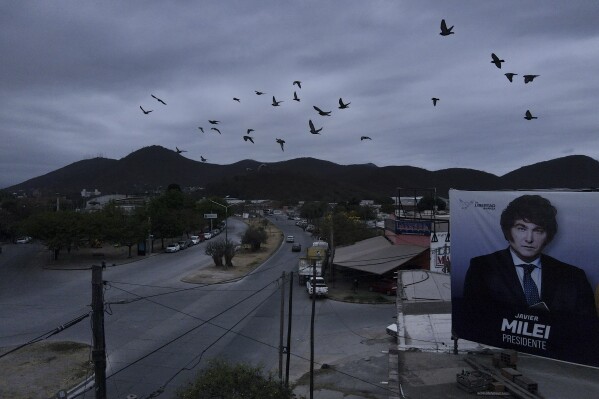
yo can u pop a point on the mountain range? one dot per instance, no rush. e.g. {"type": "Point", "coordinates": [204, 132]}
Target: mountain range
{"type": "Point", "coordinates": [155, 167]}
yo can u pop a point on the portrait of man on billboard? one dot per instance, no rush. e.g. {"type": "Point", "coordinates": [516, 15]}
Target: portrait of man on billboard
{"type": "Point", "coordinates": [522, 298]}
{"type": "Point", "coordinates": [521, 276]}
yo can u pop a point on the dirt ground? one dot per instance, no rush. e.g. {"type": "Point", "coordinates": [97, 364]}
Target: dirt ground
{"type": "Point", "coordinates": [40, 370]}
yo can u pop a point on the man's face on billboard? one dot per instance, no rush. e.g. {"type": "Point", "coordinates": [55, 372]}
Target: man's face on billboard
{"type": "Point", "coordinates": [528, 240]}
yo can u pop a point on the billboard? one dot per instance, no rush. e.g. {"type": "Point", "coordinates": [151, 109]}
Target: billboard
{"type": "Point", "coordinates": [440, 252]}
{"type": "Point", "coordinates": [413, 226]}
{"type": "Point", "coordinates": [525, 271]}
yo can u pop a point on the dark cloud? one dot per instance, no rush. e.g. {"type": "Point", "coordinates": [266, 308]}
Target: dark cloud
{"type": "Point", "coordinates": [74, 75]}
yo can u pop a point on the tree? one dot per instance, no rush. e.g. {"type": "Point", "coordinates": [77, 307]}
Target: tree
{"type": "Point", "coordinates": [347, 229]}
{"type": "Point", "coordinates": [216, 249]}
{"type": "Point", "coordinates": [254, 236]}
{"type": "Point", "coordinates": [58, 230]}
{"type": "Point", "coordinates": [229, 253]}
{"type": "Point", "coordinates": [221, 379]}
{"type": "Point", "coordinates": [313, 210]}
{"type": "Point", "coordinates": [205, 206]}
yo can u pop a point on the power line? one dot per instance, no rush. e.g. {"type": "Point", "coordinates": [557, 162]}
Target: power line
{"type": "Point", "coordinates": [188, 331]}
{"type": "Point", "coordinates": [199, 357]}
{"type": "Point", "coordinates": [177, 290]}
{"type": "Point", "coordinates": [48, 334]}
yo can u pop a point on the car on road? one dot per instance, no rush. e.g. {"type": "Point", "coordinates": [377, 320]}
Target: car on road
{"type": "Point", "coordinates": [183, 244]}
{"type": "Point", "coordinates": [385, 286]}
{"type": "Point", "coordinates": [296, 248]}
{"type": "Point", "coordinates": [172, 247]}
{"type": "Point", "coordinates": [207, 235]}
{"type": "Point", "coordinates": [23, 240]}
{"type": "Point", "coordinates": [290, 239]}
{"type": "Point", "coordinates": [321, 286]}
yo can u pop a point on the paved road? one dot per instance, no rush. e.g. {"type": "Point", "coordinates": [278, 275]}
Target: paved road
{"type": "Point", "coordinates": [163, 339]}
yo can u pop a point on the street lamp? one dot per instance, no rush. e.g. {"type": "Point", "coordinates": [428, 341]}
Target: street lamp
{"type": "Point", "coordinates": [226, 217]}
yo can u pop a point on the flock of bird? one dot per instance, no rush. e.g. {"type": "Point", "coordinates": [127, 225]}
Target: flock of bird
{"type": "Point", "coordinates": [445, 31]}
{"type": "Point", "coordinates": [275, 103]}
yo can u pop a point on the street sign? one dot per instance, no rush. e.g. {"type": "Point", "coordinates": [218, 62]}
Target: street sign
{"type": "Point", "coordinates": [210, 216]}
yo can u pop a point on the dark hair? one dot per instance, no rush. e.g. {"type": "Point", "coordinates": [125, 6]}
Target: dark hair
{"type": "Point", "coordinates": [532, 209]}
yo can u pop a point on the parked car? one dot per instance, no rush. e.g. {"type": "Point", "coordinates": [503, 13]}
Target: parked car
{"type": "Point", "coordinates": [392, 330]}
{"type": "Point", "coordinates": [385, 286]}
{"type": "Point", "coordinates": [172, 247]}
{"type": "Point", "coordinates": [207, 236]}
{"type": "Point", "coordinates": [195, 239]}
{"type": "Point", "coordinates": [183, 244]}
{"type": "Point", "coordinates": [23, 240]}
{"type": "Point", "coordinates": [215, 232]}
{"type": "Point", "coordinates": [290, 239]}
{"type": "Point", "coordinates": [296, 248]}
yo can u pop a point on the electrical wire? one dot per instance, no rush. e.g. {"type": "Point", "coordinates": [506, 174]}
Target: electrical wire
{"type": "Point", "coordinates": [199, 357]}
{"type": "Point", "coordinates": [50, 333]}
{"type": "Point", "coordinates": [188, 331]}
{"type": "Point", "coordinates": [177, 290]}
{"type": "Point", "coordinates": [388, 257]}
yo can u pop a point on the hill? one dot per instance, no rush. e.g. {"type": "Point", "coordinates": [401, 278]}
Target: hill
{"type": "Point", "coordinates": [152, 168]}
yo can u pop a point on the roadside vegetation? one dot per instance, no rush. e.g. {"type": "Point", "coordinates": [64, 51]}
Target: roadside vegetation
{"type": "Point", "coordinates": [221, 379]}
{"type": "Point", "coordinates": [345, 221]}
{"type": "Point", "coordinates": [170, 215]}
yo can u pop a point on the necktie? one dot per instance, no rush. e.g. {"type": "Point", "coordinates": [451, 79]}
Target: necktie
{"type": "Point", "coordinates": [530, 288]}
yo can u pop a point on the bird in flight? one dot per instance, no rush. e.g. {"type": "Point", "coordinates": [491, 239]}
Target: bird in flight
{"type": "Point", "coordinates": [321, 112]}
{"type": "Point", "coordinates": [365, 138]}
{"type": "Point", "coordinates": [249, 131]}
{"type": "Point", "coordinates": [297, 83]}
{"type": "Point", "coordinates": [201, 128]}
{"type": "Point", "coordinates": [203, 159]}
{"type": "Point", "coordinates": [529, 116]}
{"type": "Point", "coordinates": [144, 111]}
{"type": "Point", "coordinates": [214, 122]}
{"type": "Point", "coordinates": [435, 99]}
{"type": "Point", "coordinates": [215, 129]}
{"type": "Point", "coordinates": [236, 99]}
{"type": "Point", "coordinates": [529, 78]}
{"type": "Point", "coordinates": [275, 103]}
{"type": "Point", "coordinates": [343, 106]}
{"type": "Point", "coordinates": [246, 138]}
{"type": "Point", "coordinates": [445, 31]}
{"type": "Point", "coordinates": [313, 130]}
{"type": "Point", "coordinates": [496, 60]}
{"type": "Point", "coordinates": [159, 100]}
{"type": "Point", "coordinates": [510, 76]}
{"type": "Point", "coordinates": [179, 151]}
{"type": "Point", "coordinates": [282, 143]}
{"type": "Point", "coordinates": [295, 98]}
{"type": "Point", "coordinates": [259, 93]}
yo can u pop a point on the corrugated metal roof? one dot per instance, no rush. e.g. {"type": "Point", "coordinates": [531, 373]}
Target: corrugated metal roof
{"type": "Point", "coordinates": [376, 255]}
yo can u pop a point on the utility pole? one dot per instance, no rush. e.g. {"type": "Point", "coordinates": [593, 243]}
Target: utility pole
{"type": "Point", "coordinates": [313, 283]}
{"type": "Point", "coordinates": [99, 349]}
{"type": "Point", "coordinates": [288, 348]}
{"type": "Point", "coordinates": [281, 328]}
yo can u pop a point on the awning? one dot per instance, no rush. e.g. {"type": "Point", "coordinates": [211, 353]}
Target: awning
{"type": "Point", "coordinates": [376, 255]}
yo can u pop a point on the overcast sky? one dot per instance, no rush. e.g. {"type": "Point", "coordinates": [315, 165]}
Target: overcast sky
{"type": "Point", "coordinates": [74, 74]}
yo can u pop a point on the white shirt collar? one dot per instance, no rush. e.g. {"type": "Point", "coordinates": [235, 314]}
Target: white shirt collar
{"type": "Point", "coordinates": [517, 261]}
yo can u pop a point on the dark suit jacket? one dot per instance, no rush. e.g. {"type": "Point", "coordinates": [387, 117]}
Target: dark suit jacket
{"type": "Point", "coordinates": [492, 280]}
